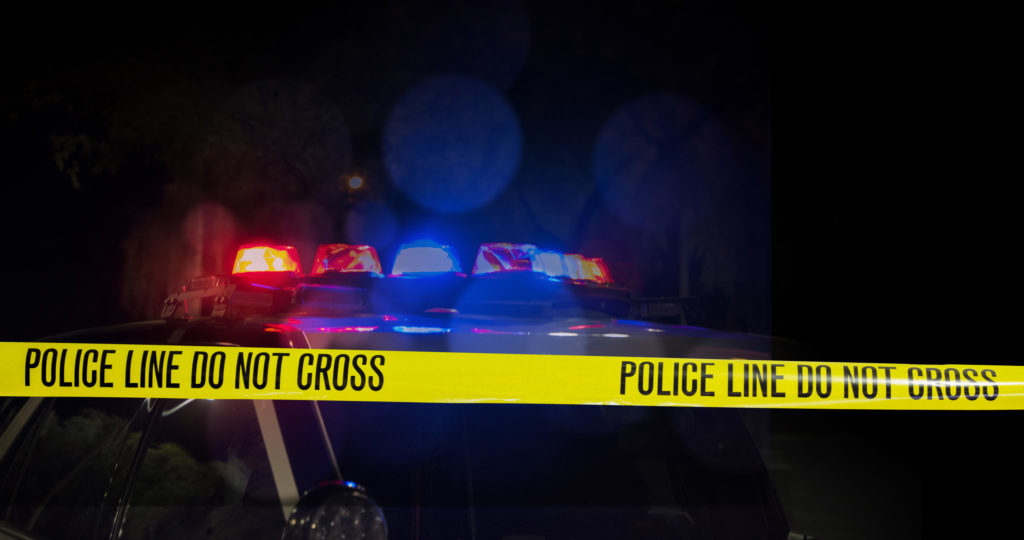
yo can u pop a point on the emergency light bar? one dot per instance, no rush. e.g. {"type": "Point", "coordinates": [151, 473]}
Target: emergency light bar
{"type": "Point", "coordinates": [344, 258]}
{"type": "Point", "coordinates": [267, 279]}
{"type": "Point", "coordinates": [266, 258]}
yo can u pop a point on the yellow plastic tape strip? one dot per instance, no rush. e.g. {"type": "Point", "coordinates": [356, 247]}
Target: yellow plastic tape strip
{"type": "Point", "coordinates": [168, 371]}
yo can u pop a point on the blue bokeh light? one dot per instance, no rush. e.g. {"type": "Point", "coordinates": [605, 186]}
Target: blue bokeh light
{"type": "Point", "coordinates": [421, 329]}
{"type": "Point", "coordinates": [452, 143]}
{"type": "Point", "coordinates": [659, 156]}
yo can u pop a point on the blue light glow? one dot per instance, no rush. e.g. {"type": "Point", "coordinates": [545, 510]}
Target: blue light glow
{"type": "Point", "coordinates": [350, 484]}
{"type": "Point", "coordinates": [422, 330]}
{"type": "Point", "coordinates": [265, 287]}
{"type": "Point", "coordinates": [425, 257]}
{"type": "Point", "coordinates": [452, 143]}
{"type": "Point", "coordinates": [660, 156]}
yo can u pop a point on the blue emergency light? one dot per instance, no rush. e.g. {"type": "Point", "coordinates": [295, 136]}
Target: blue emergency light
{"type": "Point", "coordinates": [425, 257]}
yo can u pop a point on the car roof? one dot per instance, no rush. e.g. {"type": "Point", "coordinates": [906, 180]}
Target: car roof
{"type": "Point", "coordinates": [450, 332]}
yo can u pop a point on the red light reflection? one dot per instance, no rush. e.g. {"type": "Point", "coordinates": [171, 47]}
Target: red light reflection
{"type": "Point", "coordinates": [280, 328]}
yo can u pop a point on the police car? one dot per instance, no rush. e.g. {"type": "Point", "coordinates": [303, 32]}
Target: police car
{"type": "Point", "coordinates": [147, 469]}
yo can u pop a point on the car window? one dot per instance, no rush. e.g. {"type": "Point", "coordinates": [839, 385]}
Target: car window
{"type": "Point", "coordinates": [205, 473]}
{"type": "Point", "coordinates": [63, 479]}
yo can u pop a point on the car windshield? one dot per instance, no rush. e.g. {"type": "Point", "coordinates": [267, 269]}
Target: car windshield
{"type": "Point", "coordinates": [494, 471]}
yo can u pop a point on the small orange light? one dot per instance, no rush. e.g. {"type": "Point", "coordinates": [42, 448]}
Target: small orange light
{"type": "Point", "coordinates": [596, 270]}
{"type": "Point", "coordinates": [266, 258]}
{"type": "Point", "coordinates": [346, 258]}
{"type": "Point", "coordinates": [279, 328]}
{"type": "Point", "coordinates": [587, 269]}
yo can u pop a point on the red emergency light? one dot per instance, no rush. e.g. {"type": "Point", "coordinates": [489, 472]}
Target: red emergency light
{"type": "Point", "coordinates": [587, 269]}
{"type": "Point", "coordinates": [266, 258]}
{"type": "Point", "coordinates": [597, 270]}
{"type": "Point", "coordinates": [345, 258]}
{"type": "Point", "coordinates": [505, 257]}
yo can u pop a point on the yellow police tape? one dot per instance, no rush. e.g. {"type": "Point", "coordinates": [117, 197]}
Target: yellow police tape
{"type": "Point", "coordinates": [170, 371]}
